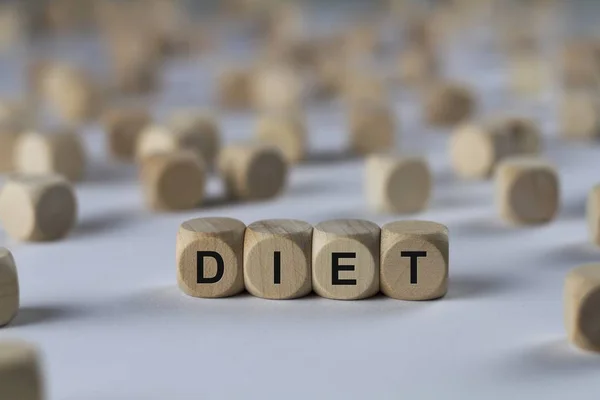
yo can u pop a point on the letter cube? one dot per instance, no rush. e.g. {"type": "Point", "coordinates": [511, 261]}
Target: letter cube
{"type": "Point", "coordinates": [173, 180]}
{"type": "Point", "coordinates": [397, 184]}
{"type": "Point", "coordinates": [527, 190]}
{"type": "Point", "coordinates": [593, 215]}
{"type": "Point", "coordinates": [414, 260]}
{"type": "Point", "coordinates": [37, 207]}
{"type": "Point", "coordinates": [346, 259]}
{"type": "Point", "coordinates": [20, 371]}
{"type": "Point", "coordinates": [123, 127]}
{"type": "Point", "coordinates": [277, 259]}
{"type": "Point", "coordinates": [253, 171]}
{"type": "Point", "coordinates": [59, 152]}
{"type": "Point", "coordinates": [286, 131]}
{"type": "Point", "coordinates": [372, 128]}
{"type": "Point", "coordinates": [9, 287]}
{"type": "Point", "coordinates": [210, 256]}
{"type": "Point", "coordinates": [582, 302]}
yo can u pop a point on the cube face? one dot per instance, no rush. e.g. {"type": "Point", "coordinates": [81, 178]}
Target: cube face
{"type": "Point", "coordinates": [449, 104]}
{"type": "Point", "coordinates": [593, 215]}
{"type": "Point", "coordinates": [346, 259]}
{"type": "Point", "coordinates": [9, 287]}
{"type": "Point", "coordinates": [582, 301]}
{"type": "Point", "coordinates": [414, 260]}
{"type": "Point", "coordinates": [277, 259]}
{"type": "Point", "coordinates": [372, 128]}
{"type": "Point", "coordinates": [527, 190]}
{"type": "Point", "coordinates": [580, 116]}
{"type": "Point", "coordinates": [123, 129]}
{"type": "Point", "coordinates": [286, 132]}
{"type": "Point", "coordinates": [197, 132]}
{"type": "Point", "coordinates": [209, 257]}
{"type": "Point", "coordinates": [20, 375]}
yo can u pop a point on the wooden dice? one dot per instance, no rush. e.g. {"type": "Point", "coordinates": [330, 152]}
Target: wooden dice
{"type": "Point", "coordinates": [582, 302]}
{"type": "Point", "coordinates": [277, 88]}
{"type": "Point", "coordinates": [197, 130]}
{"type": "Point", "coordinates": [414, 260]}
{"type": "Point", "coordinates": [252, 171]}
{"type": "Point", "coordinates": [580, 116]}
{"type": "Point", "coordinates": [476, 148]}
{"type": "Point", "coordinates": [173, 180]}
{"type": "Point", "coordinates": [20, 371]}
{"type": "Point", "coordinates": [345, 259]}
{"type": "Point", "coordinates": [9, 287]}
{"type": "Point", "coordinates": [59, 152]}
{"type": "Point", "coordinates": [278, 258]}
{"type": "Point", "coordinates": [234, 89]}
{"type": "Point", "coordinates": [372, 128]}
{"type": "Point", "coordinates": [397, 184]}
{"type": "Point", "coordinates": [286, 131]}
{"type": "Point", "coordinates": [593, 215]}
{"type": "Point", "coordinates": [37, 207]}
{"type": "Point", "coordinates": [448, 103]}
{"type": "Point", "coordinates": [123, 127]}
{"type": "Point", "coordinates": [527, 190]}
{"type": "Point", "coordinates": [8, 140]}
{"type": "Point", "coordinates": [210, 257]}
{"type": "Point", "coordinates": [417, 66]}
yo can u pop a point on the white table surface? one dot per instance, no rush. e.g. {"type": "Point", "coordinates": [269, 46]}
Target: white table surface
{"type": "Point", "coordinates": [104, 307]}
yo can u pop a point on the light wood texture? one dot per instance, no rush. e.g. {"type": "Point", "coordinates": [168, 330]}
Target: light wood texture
{"type": "Point", "coordinates": [414, 260]}
{"type": "Point", "coordinates": [9, 287]}
{"type": "Point", "coordinates": [173, 180]}
{"type": "Point", "coordinates": [580, 116]}
{"type": "Point", "coordinates": [417, 66]}
{"type": "Point", "coordinates": [253, 171]}
{"type": "Point", "coordinates": [448, 103]}
{"type": "Point", "coordinates": [593, 215]}
{"type": "Point", "coordinates": [277, 88]}
{"type": "Point", "coordinates": [123, 127]}
{"type": "Point", "coordinates": [582, 301]}
{"type": "Point", "coordinates": [8, 140]}
{"type": "Point", "coordinates": [346, 259]}
{"type": "Point", "coordinates": [397, 184]}
{"type": "Point", "coordinates": [286, 131]}
{"type": "Point", "coordinates": [527, 190]}
{"type": "Point", "coordinates": [278, 259]}
{"type": "Point", "coordinates": [234, 89]}
{"type": "Point", "coordinates": [197, 130]}
{"type": "Point", "coordinates": [477, 148]}
{"type": "Point", "coordinates": [59, 152]}
{"type": "Point", "coordinates": [37, 207]}
{"type": "Point", "coordinates": [580, 65]}
{"type": "Point", "coordinates": [223, 236]}
{"type": "Point", "coordinates": [20, 371]}
{"type": "Point", "coordinates": [372, 128]}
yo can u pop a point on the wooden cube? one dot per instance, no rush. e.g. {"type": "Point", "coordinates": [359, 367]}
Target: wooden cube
{"type": "Point", "coordinates": [346, 259]}
{"type": "Point", "coordinates": [477, 148]}
{"type": "Point", "coordinates": [287, 132]}
{"type": "Point", "coordinates": [210, 256]}
{"type": "Point", "coordinates": [20, 371]}
{"type": "Point", "coordinates": [9, 287]}
{"type": "Point", "coordinates": [363, 88]}
{"type": "Point", "coordinates": [582, 302]}
{"type": "Point", "coordinates": [234, 89]}
{"type": "Point", "coordinates": [123, 127]}
{"type": "Point", "coordinates": [397, 184]}
{"type": "Point", "coordinates": [580, 116]}
{"type": "Point", "coordinates": [37, 207]}
{"type": "Point", "coordinates": [197, 130]}
{"type": "Point", "coordinates": [593, 215]}
{"type": "Point", "coordinates": [252, 171]}
{"type": "Point", "coordinates": [414, 260]}
{"type": "Point", "coordinates": [527, 190]}
{"type": "Point", "coordinates": [372, 128]}
{"type": "Point", "coordinates": [529, 74]}
{"type": "Point", "coordinates": [59, 152]}
{"type": "Point", "coordinates": [417, 66]}
{"type": "Point", "coordinates": [8, 140]}
{"type": "Point", "coordinates": [277, 259]}
{"type": "Point", "coordinates": [277, 88]}
{"type": "Point", "coordinates": [173, 180]}
{"type": "Point", "coordinates": [448, 103]}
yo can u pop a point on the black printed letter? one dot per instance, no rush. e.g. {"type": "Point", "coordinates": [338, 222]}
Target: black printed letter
{"type": "Point", "coordinates": [200, 265]}
{"type": "Point", "coordinates": [414, 256]}
{"type": "Point", "coordinates": [336, 268]}
{"type": "Point", "coordinates": [277, 268]}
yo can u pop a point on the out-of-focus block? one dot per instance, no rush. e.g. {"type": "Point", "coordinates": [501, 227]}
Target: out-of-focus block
{"type": "Point", "coordinates": [197, 130]}
{"type": "Point", "coordinates": [286, 131]}
{"type": "Point", "coordinates": [20, 371]}
{"type": "Point", "coordinates": [593, 215]}
{"type": "Point", "coordinates": [414, 260]}
{"type": "Point", "coordinates": [234, 89]}
{"type": "Point", "coordinates": [123, 127]}
{"type": "Point", "coordinates": [277, 88]}
{"type": "Point", "coordinates": [59, 152]}
{"type": "Point", "coordinates": [173, 180]}
{"type": "Point", "coordinates": [37, 207]}
{"type": "Point", "coordinates": [580, 115]}
{"type": "Point", "coordinates": [527, 190]}
{"type": "Point", "coordinates": [9, 287]}
{"type": "Point", "coordinates": [372, 128]}
{"type": "Point", "coordinates": [447, 104]}
{"type": "Point", "coordinates": [397, 184]}
{"type": "Point", "coordinates": [278, 258]}
{"type": "Point", "coordinates": [582, 302]}
{"type": "Point", "coordinates": [253, 171]}
{"type": "Point", "coordinates": [346, 259]}
{"type": "Point", "coordinates": [210, 257]}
